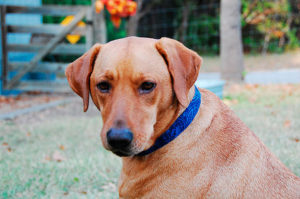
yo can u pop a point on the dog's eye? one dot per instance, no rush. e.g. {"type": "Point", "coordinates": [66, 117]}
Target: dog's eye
{"type": "Point", "coordinates": [147, 87]}
{"type": "Point", "coordinates": [104, 87]}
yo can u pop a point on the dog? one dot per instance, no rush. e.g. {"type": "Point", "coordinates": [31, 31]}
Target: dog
{"type": "Point", "coordinates": [144, 89]}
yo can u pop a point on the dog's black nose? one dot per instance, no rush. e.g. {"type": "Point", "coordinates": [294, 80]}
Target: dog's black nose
{"type": "Point", "coordinates": [119, 138]}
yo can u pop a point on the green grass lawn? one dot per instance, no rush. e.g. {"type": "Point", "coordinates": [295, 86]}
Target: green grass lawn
{"type": "Point", "coordinates": [61, 156]}
{"type": "Point", "coordinates": [273, 114]}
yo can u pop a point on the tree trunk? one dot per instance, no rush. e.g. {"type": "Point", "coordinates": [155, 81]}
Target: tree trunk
{"type": "Point", "coordinates": [184, 22]}
{"type": "Point", "coordinates": [99, 26]}
{"type": "Point", "coordinates": [132, 25]}
{"type": "Point", "coordinates": [134, 20]}
{"type": "Point", "coordinates": [232, 65]}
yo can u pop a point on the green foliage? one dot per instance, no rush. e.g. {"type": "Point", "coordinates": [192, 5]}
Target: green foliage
{"type": "Point", "coordinates": [199, 29]}
{"type": "Point", "coordinates": [203, 33]}
{"type": "Point", "coordinates": [270, 25]}
{"type": "Point", "coordinates": [293, 42]}
{"type": "Point", "coordinates": [113, 32]}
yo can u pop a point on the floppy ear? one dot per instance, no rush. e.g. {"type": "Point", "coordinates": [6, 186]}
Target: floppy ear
{"type": "Point", "coordinates": [183, 65]}
{"type": "Point", "coordinates": [78, 74]}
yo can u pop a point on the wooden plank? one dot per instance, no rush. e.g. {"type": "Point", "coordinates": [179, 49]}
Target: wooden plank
{"type": "Point", "coordinates": [48, 48]}
{"type": "Point", "coordinates": [3, 45]}
{"type": "Point", "coordinates": [44, 29]}
{"type": "Point", "coordinates": [47, 10]}
{"type": "Point", "coordinates": [45, 86]}
{"type": "Point", "coordinates": [59, 49]}
{"type": "Point", "coordinates": [43, 67]}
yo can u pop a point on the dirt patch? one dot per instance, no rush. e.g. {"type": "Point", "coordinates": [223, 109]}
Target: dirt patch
{"type": "Point", "coordinates": [73, 108]}
{"type": "Point", "coordinates": [26, 100]}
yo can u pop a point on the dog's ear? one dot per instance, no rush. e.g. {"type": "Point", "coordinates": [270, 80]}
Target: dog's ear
{"type": "Point", "coordinates": [183, 65]}
{"type": "Point", "coordinates": [78, 74]}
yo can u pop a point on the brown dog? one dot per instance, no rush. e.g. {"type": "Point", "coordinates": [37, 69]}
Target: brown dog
{"type": "Point", "coordinates": [141, 86]}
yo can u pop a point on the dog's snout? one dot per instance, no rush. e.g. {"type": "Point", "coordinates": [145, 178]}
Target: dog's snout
{"type": "Point", "coordinates": [119, 138]}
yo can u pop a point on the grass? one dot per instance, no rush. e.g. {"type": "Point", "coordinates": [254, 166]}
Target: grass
{"type": "Point", "coordinates": [57, 159]}
{"type": "Point", "coordinates": [273, 114]}
{"type": "Point", "coordinates": [62, 156]}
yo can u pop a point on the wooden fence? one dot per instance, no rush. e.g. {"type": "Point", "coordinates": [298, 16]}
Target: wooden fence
{"type": "Point", "coordinates": [54, 46]}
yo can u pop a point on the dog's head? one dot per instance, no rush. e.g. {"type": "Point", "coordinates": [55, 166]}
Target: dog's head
{"type": "Point", "coordinates": [136, 83]}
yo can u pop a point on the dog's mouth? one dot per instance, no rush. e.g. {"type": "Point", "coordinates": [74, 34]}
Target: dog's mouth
{"type": "Point", "coordinates": [122, 153]}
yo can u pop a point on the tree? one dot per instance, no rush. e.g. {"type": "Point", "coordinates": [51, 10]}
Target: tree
{"type": "Point", "coordinates": [144, 7]}
{"type": "Point", "coordinates": [133, 21]}
{"type": "Point", "coordinates": [273, 19]}
{"type": "Point", "coordinates": [182, 30]}
{"type": "Point", "coordinates": [231, 41]}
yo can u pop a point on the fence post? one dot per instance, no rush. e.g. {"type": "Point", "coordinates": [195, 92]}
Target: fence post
{"type": "Point", "coordinates": [232, 65]}
{"type": "Point", "coordinates": [3, 51]}
{"type": "Point", "coordinates": [99, 25]}
{"type": "Point", "coordinates": [1, 69]}
{"type": "Point", "coordinates": [89, 35]}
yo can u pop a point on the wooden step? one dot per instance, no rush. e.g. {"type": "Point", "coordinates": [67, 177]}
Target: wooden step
{"type": "Point", "coordinates": [48, 10]}
{"type": "Point", "coordinates": [66, 49]}
{"type": "Point", "coordinates": [43, 67]}
{"type": "Point", "coordinates": [43, 29]}
{"type": "Point", "coordinates": [45, 86]}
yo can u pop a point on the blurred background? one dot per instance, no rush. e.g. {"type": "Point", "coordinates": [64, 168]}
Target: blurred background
{"type": "Point", "coordinates": [49, 148]}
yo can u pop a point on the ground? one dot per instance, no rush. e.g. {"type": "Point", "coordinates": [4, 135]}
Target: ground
{"type": "Point", "coordinates": [289, 60]}
{"type": "Point", "coordinates": [26, 100]}
{"type": "Point", "coordinates": [57, 153]}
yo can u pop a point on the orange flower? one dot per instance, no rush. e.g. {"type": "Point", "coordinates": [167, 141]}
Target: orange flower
{"type": "Point", "coordinates": [117, 9]}
{"type": "Point", "coordinates": [99, 6]}
{"type": "Point", "coordinates": [278, 33]}
{"type": "Point", "coordinates": [110, 3]}
{"type": "Point", "coordinates": [116, 21]}
{"type": "Point", "coordinates": [131, 8]}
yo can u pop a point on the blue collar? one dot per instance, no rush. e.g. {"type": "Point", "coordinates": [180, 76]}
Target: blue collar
{"type": "Point", "coordinates": [180, 124]}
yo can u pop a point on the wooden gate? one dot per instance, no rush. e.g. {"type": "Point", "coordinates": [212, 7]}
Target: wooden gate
{"type": "Point", "coordinates": [53, 46]}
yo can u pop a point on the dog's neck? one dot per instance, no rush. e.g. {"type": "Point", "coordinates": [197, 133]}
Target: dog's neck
{"type": "Point", "coordinates": [178, 126]}
{"type": "Point", "coordinates": [167, 117]}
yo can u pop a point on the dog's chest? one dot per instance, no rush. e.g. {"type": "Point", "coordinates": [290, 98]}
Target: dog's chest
{"type": "Point", "coordinates": [157, 180]}
{"type": "Point", "coordinates": [153, 185]}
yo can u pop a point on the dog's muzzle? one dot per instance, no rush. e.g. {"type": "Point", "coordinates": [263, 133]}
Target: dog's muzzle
{"type": "Point", "coordinates": [119, 140]}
